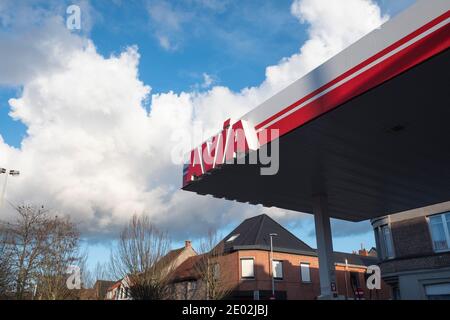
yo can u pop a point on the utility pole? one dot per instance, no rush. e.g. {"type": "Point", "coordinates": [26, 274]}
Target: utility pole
{"type": "Point", "coordinates": [271, 263]}
{"type": "Point", "coordinates": [345, 276]}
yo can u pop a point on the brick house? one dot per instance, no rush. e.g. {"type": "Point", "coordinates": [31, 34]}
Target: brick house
{"type": "Point", "coordinates": [244, 267]}
{"type": "Point", "coordinates": [414, 249]}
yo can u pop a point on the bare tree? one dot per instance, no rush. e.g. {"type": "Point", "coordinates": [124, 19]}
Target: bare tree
{"type": "Point", "coordinates": [27, 243]}
{"type": "Point", "coordinates": [141, 259]}
{"type": "Point", "coordinates": [5, 262]}
{"type": "Point", "coordinates": [215, 280]}
{"type": "Point", "coordinates": [101, 271]}
{"type": "Point", "coordinates": [61, 250]}
{"type": "Point", "coordinates": [41, 248]}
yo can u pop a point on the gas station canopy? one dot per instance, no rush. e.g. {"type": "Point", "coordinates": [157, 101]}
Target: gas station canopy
{"type": "Point", "coordinates": [366, 134]}
{"type": "Point", "coordinates": [370, 128]}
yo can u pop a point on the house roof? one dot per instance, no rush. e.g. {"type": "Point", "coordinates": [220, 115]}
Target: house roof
{"type": "Point", "coordinates": [253, 233]}
{"type": "Point", "coordinates": [187, 270]}
{"type": "Point", "coordinates": [170, 256]}
{"type": "Point", "coordinates": [115, 285]}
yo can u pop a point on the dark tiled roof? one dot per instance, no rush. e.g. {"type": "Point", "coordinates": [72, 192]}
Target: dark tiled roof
{"type": "Point", "coordinates": [254, 234]}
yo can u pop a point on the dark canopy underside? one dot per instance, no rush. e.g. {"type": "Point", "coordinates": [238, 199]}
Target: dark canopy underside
{"type": "Point", "coordinates": [385, 151]}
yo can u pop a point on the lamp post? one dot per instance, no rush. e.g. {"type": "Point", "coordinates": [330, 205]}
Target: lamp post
{"type": "Point", "coordinates": [271, 263]}
{"type": "Point", "coordinates": [13, 173]}
{"type": "Point", "coordinates": [345, 277]}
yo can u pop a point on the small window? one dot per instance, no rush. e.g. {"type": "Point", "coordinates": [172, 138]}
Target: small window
{"type": "Point", "coordinates": [439, 227]}
{"type": "Point", "coordinates": [305, 272]}
{"type": "Point", "coordinates": [386, 239]}
{"type": "Point", "coordinates": [277, 266]}
{"type": "Point", "coordinates": [354, 280]}
{"type": "Point", "coordinates": [216, 271]}
{"type": "Point", "coordinates": [247, 268]}
{"type": "Point", "coordinates": [233, 237]}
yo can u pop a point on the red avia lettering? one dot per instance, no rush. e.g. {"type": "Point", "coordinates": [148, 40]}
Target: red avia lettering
{"type": "Point", "coordinates": [232, 141]}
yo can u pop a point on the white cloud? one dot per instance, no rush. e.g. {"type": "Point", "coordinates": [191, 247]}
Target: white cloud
{"type": "Point", "coordinates": [22, 58]}
{"type": "Point", "coordinates": [164, 42]}
{"type": "Point", "coordinates": [94, 152]}
{"type": "Point", "coordinates": [208, 81]}
{"type": "Point", "coordinates": [167, 23]}
{"type": "Point", "coordinates": [34, 42]}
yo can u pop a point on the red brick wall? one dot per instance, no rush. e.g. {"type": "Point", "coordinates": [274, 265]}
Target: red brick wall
{"type": "Point", "coordinates": [291, 283]}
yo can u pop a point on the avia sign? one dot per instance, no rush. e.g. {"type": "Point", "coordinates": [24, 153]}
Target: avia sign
{"type": "Point", "coordinates": [230, 146]}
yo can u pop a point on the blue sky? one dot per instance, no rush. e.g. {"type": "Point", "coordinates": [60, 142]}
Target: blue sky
{"type": "Point", "coordinates": [190, 46]}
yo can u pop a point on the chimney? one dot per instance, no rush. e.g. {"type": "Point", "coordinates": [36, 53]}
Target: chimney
{"type": "Point", "coordinates": [188, 244]}
{"type": "Point", "coordinates": [363, 252]}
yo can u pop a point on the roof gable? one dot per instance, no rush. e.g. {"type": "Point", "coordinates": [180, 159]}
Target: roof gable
{"type": "Point", "coordinates": [254, 234]}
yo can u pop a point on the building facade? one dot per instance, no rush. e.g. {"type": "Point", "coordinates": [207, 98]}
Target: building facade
{"type": "Point", "coordinates": [414, 252]}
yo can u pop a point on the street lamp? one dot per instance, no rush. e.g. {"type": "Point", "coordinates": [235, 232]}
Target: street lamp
{"type": "Point", "coordinates": [13, 173]}
{"type": "Point", "coordinates": [271, 263]}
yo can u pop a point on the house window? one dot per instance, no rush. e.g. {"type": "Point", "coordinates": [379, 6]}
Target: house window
{"type": "Point", "coordinates": [354, 280]}
{"type": "Point", "coordinates": [440, 226]}
{"type": "Point", "coordinates": [277, 267]}
{"type": "Point", "coordinates": [247, 268]}
{"type": "Point", "coordinates": [439, 291]}
{"type": "Point", "coordinates": [216, 271]}
{"type": "Point", "coordinates": [305, 272]}
{"type": "Point", "coordinates": [233, 237]}
{"type": "Point", "coordinates": [386, 242]}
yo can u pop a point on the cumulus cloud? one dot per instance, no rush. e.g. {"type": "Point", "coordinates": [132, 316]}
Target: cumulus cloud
{"type": "Point", "coordinates": [95, 152]}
